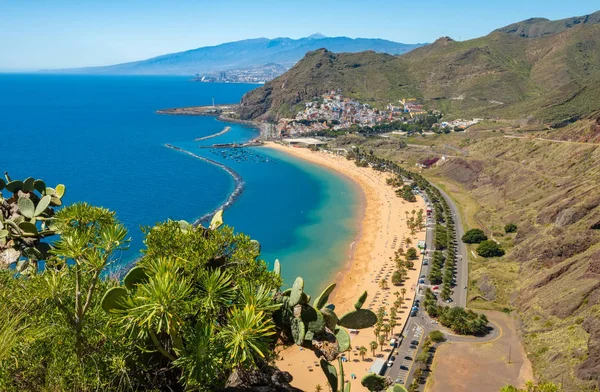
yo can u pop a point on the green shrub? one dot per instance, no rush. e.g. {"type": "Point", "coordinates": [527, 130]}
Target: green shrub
{"type": "Point", "coordinates": [437, 336]}
{"type": "Point", "coordinates": [510, 228]}
{"type": "Point", "coordinates": [489, 248]}
{"type": "Point", "coordinates": [474, 236]}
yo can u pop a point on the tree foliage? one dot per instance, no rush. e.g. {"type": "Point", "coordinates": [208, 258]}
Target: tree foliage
{"type": "Point", "coordinates": [489, 249]}
{"type": "Point", "coordinates": [474, 236]}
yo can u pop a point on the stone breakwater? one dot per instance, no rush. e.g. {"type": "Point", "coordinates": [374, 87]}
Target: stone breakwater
{"type": "Point", "coordinates": [237, 191]}
{"type": "Point", "coordinates": [224, 131]}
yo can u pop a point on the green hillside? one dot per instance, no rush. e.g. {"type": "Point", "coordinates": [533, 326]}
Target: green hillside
{"type": "Point", "coordinates": [550, 79]}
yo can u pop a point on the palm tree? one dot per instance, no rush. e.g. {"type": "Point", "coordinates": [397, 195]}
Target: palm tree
{"type": "Point", "coordinates": [318, 388]}
{"type": "Point", "coordinates": [362, 350]}
{"type": "Point", "coordinates": [373, 346]}
{"type": "Point", "coordinates": [381, 340]}
{"type": "Point", "coordinates": [386, 329]}
{"type": "Point", "coordinates": [403, 291]}
{"type": "Point", "coordinates": [408, 242]}
{"type": "Point", "coordinates": [393, 323]}
{"type": "Point", "coordinates": [397, 294]}
{"type": "Point", "coordinates": [377, 330]}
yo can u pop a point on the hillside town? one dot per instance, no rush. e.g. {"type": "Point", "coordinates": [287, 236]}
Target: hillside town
{"type": "Point", "coordinates": [333, 111]}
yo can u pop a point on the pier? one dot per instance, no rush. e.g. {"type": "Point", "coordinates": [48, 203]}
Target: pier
{"type": "Point", "coordinates": [224, 131]}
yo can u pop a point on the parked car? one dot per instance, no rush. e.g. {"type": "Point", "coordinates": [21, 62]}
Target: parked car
{"type": "Point", "coordinates": [390, 362]}
{"type": "Point", "coordinates": [402, 367]}
{"type": "Point", "coordinates": [414, 342]}
{"type": "Point", "coordinates": [408, 358]}
{"type": "Point", "coordinates": [436, 287]}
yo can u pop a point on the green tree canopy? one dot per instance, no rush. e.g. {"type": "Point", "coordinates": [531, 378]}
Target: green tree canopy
{"type": "Point", "coordinates": [489, 248]}
{"type": "Point", "coordinates": [474, 236]}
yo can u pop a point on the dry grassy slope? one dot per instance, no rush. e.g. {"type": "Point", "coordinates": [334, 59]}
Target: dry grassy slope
{"type": "Point", "coordinates": [553, 78]}
{"type": "Point", "coordinates": [551, 191]}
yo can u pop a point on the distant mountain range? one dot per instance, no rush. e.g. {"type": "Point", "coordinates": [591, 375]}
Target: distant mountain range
{"type": "Point", "coordinates": [546, 69]}
{"type": "Point", "coordinates": [246, 54]}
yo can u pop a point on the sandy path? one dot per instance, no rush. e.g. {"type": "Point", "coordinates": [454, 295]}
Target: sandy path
{"type": "Point", "coordinates": [383, 231]}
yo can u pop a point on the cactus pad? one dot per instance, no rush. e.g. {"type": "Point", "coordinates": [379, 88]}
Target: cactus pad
{"type": "Point", "coordinates": [217, 220]}
{"type": "Point", "coordinates": [312, 318]}
{"type": "Point", "coordinates": [2, 184]}
{"type": "Point", "coordinates": [361, 301]}
{"type": "Point", "coordinates": [28, 184]}
{"type": "Point", "coordinates": [330, 373]}
{"type": "Point", "coordinates": [331, 319]}
{"type": "Point", "coordinates": [358, 319]}
{"type": "Point", "coordinates": [42, 205]}
{"type": "Point", "coordinates": [28, 228]}
{"type": "Point", "coordinates": [136, 275]}
{"type": "Point", "coordinates": [308, 337]}
{"type": "Point", "coordinates": [297, 291]}
{"type": "Point", "coordinates": [298, 331]}
{"type": "Point", "coordinates": [114, 299]}
{"type": "Point", "coordinates": [39, 186]}
{"type": "Point", "coordinates": [343, 339]}
{"type": "Point", "coordinates": [14, 186]}
{"type": "Point", "coordinates": [26, 207]}
{"type": "Point", "coordinates": [321, 300]}
{"type": "Point", "coordinates": [59, 191]}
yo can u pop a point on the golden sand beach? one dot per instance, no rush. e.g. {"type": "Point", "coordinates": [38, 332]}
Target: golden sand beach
{"type": "Point", "coordinates": [383, 230]}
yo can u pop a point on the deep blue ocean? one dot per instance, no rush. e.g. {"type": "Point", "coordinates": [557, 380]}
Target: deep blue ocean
{"type": "Point", "coordinates": [102, 138]}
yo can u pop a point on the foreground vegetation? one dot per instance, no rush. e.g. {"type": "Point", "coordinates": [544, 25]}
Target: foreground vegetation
{"type": "Point", "coordinates": [199, 311]}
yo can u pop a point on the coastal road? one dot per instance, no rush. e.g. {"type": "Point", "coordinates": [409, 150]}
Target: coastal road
{"type": "Point", "coordinates": [459, 296]}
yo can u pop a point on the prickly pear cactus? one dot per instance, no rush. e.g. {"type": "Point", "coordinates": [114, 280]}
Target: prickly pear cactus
{"type": "Point", "coordinates": [298, 331]}
{"type": "Point", "coordinates": [26, 218]}
{"type": "Point", "coordinates": [297, 292]}
{"type": "Point", "coordinates": [330, 317]}
{"type": "Point", "coordinates": [343, 339]}
{"type": "Point", "coordinates": [114, 299]}
{"type": "Point", "coordinates": [358, 319]}
{"type": "Point", "coordinates": [321, 300]}
{"type": "Point", "coordinates": [312, 318]}
{"type": "Point", "coordinates": [361, 301]}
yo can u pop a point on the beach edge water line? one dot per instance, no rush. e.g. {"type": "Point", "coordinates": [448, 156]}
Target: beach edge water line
{"type": "Point", "coordinates": [238, 183]}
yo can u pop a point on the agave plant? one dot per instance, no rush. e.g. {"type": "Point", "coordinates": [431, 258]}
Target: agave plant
{"type": "Point", "coordinates": [204, 316]}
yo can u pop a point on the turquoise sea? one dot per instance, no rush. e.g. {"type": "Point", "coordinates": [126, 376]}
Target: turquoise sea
{"type": "Point", "coordinates": [101, 137]}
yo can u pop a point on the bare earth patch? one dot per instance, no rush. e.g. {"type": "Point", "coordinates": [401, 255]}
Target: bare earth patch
{"type": "Point", "coordinates": [482, 367]}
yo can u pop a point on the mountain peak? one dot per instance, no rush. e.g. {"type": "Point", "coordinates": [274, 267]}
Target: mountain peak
{"type": "Point", "coordinates": [541, 27]}
{"type": "Point", "coordinates": [317, 36]}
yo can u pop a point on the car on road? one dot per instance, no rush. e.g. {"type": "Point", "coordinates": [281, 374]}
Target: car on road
{"type": "Point", "coordinates": [423, 276]}
{"type": "Point", "coordinates": [413, 313]}
{"type": "Point", "coordinates": [421, 281]}
{"type": "Point", "coordinates": [435, 287]}
{"type": "Point", "coordinates": [448, 300]}
{"type": "Point", "coordinates": [425, 262]}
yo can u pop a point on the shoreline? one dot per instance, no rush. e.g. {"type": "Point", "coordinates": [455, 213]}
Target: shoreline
{"type": "Point", "coordinates": [382, 230]}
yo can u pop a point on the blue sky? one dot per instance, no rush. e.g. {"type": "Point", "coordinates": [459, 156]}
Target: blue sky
{"type": "Point", "coordinates": [72, 33]}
